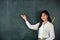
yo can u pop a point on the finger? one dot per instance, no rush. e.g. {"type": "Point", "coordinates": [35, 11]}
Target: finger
{"type": "Point", "coordinates": [21, 15]}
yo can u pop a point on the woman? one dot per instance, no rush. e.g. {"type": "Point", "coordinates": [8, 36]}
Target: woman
{"type": "Point", "coordinates": [42, 26]}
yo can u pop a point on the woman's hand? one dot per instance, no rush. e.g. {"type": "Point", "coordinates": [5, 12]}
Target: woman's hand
{"type": "Point", "coordinates": [24, 17]}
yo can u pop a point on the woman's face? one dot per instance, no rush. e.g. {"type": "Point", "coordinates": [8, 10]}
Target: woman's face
{"type": "Point", "coordinates": [44, 17]}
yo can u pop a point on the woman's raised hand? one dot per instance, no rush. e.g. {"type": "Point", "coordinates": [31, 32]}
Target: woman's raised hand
{"type": "Point", "coordinates": [24, 17]}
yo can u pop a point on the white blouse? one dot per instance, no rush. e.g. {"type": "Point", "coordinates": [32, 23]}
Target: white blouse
{"type": "Point", "coordinates": [50, 35]}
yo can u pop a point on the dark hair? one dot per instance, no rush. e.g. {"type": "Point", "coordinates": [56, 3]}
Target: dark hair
{"type": "Point", "coordinates": [45, 12]}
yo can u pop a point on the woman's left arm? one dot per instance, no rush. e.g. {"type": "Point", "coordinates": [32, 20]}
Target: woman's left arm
{"type": "Point", "coordinates": [52, 33]}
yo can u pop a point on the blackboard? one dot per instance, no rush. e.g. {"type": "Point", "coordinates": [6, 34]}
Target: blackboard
{"type": "Point", "coordinates": [12, 27]}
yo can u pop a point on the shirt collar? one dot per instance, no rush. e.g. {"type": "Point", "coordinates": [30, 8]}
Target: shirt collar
{"type": "Point", "coordinates": [45, 23]}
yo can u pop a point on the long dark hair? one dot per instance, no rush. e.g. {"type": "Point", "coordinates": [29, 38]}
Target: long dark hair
{"type": "Point", "coordinates": [45, 12]}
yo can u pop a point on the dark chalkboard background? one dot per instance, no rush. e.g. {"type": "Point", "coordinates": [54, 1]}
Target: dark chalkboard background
{"type": "Point", "coordinates": [12, 27]}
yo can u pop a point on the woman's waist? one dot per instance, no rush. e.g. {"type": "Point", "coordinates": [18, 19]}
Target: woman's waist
{"type": "Point", "coordinates": [42, 36]}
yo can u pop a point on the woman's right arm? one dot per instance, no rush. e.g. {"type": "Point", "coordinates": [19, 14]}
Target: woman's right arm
{"type": "Point", "coordinates": [34, 27]}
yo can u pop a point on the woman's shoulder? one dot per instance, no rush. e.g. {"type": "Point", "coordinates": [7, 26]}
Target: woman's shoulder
{"type": "Point", "coordinates": [51, 24]}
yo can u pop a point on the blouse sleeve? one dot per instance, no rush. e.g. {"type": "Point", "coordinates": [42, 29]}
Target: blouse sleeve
{"type": "Point", "coordinates": [34, 27]}
{"type": "Point", "coordinates": [52, 34]}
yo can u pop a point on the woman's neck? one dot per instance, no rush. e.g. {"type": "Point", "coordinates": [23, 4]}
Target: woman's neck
{"type": "Point", "coordinates": [45, 21]}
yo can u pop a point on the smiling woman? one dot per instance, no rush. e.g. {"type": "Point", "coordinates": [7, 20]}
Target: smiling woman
{"type": "Point", "coordinates": [12, 26]}
{"type": "Point", "coordinates": [44, 24]}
